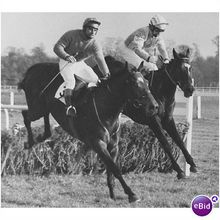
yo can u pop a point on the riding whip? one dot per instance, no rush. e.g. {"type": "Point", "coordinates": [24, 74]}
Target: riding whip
{"type": "Point", "coordinates": [151, 81]}
{"type": "Point", "coordinates": [53, 79]}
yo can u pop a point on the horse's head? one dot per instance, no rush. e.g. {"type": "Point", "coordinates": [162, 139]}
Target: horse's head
{"type": "Point", "coordinates": [138, 92]}
{"type": "Point", "coordinates": [181, 72]}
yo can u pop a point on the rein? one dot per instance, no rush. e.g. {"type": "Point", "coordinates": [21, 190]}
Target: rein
{"type": "Point", "coordinates": [168, 75]}
{"type": "Point", "coordinates": [116, 95]}
{"type": "Point", "coordinates": [97, 114]}
{"type": "Point", "coordinates": [170, 78]}
{"type": "Point", "coordinates": [100, 121]}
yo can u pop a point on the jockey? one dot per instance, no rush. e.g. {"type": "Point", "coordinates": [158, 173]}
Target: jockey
{"type": "Point", "coordinates": [73, 48]}
{"type": "Point", "coordinates": [143, 43]}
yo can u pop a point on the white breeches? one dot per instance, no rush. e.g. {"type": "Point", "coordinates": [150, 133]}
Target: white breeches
{"type": "Point", "coordinates": [131, 57]}
{"type": "Point", "coordinates": [78, 68]}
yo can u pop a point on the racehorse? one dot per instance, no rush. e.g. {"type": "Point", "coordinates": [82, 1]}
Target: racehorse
{"type": "Point", "coordinates": [97, 122]}
{"type": "Point", "coordinates": [163, 85]}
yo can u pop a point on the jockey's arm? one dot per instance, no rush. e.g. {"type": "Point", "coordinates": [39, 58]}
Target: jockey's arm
{"type": "Point", "coordinates": [60, 52]}
{"type": "Point", "coordinates": [162, 49]}
{"type": "Point", "coordinates": [136, 45]}
{"type": "Point", "coordinates": [100, 60]}
{"type": "Point", "coordinates": [142, 53]}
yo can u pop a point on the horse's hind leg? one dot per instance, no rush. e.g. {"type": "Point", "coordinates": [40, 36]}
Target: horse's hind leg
{"type": "Point", "coordinates": [170, 127]}
{"type": "Point", "coordinates": [27, 123]}
{"type": "Point", "coordinates": [113, 150]}
{"type": "Point", "coordinates": [101, 148]}
{"type": "Point", "coordinates": [47, 131]}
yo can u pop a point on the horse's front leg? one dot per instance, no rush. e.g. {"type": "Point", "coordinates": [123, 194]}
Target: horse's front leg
{"type": "Point", "coordinates": [156, 126]}
{"type": "Point", "coordinates": [27, 123]}
{"type": "Point", "coordinates": [100, 148]}
{"type": "Point", "coordinates": [170, 126]}
{"type": "Point", "coordinates": [113, 150]}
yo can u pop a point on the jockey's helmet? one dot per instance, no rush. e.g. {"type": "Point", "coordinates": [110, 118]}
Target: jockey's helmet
{"type": "Point", "coordinates": [90, 20]}
{"type": "Point", "coordinates": [158, 22]}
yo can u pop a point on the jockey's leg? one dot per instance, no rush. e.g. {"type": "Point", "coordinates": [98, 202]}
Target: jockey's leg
{"type": "Point", "coordinates": [87, 73]}
{"type": "Point", "coordinates": [128, 55]}
{"type": "Point", "coordinates": [69, 79]}
{"type": "Point", "coordinates": [70, 108]}
{"type": "Point", "coordinates": [131, 57]}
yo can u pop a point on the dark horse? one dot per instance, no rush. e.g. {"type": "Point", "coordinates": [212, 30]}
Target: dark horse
{"type": "Point", "coordinates": [97, 122]}
{"type": "Point", "coordinates": [163, 84]}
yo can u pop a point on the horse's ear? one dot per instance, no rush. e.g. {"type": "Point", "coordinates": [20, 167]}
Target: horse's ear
{"type": "Point", "coordinates": [188, 52]}
{"type": "Point", "coordinates": [175, 54]}
{"type": "Point", "coordinates": [126, 65]}
{"type": "Point", "coordinates": [140, 66]}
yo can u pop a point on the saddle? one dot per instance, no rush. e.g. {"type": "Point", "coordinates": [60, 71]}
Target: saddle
{"type": "Point", "coordinates": [80, 92]}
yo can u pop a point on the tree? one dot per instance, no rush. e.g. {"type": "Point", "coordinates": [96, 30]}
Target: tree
{"type": "Point", "coordinates": [197, 66]}
{"type": "Point", "coordinates": [16, 62]}
{"type": "Point", "coordinates": [216, 42]}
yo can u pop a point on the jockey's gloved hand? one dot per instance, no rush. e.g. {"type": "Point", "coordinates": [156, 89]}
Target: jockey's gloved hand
{"type": "Point", "coordinates": [166, 61]}
{"type": "Point", "coordinates": [152, 59]}
{"type": "Point", "coordinates": [103, 80]}
{"type": "Point", "coordinates": [106, 77]}
{"type": "Point", "coordinates": [70, 59]}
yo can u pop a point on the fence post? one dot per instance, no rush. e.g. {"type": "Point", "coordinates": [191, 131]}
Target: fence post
{"type": "Point", "coordinates": [198, 107]}
{"type": "Point", "coordinates": [6, 109]}
{"type": "Point", "coordinates": [12, 98]}
{"type": "Point", "coordinates": [6, 119]}
{"type": "Point", "coordinates": [189, 117]}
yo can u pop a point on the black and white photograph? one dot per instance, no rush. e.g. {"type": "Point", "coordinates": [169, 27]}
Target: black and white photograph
{"type": "Point", "coordinates": [110, 110]}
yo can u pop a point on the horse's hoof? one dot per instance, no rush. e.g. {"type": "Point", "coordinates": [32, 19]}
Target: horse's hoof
{"type": "Point", "coordinates": [181, 175]}
{"type": "Point", "coordinates": [40, 138]}
{"type": "Point", "coordinates": [133, 198]}
{"type": "Point", "coordinates": [50, 143]}
{"type": "Point", "coordinates": [193, 169]}
{"type": "Point", "coordinates": [26, 146]}
{"type": "Point", "coordinates": [113, 198]}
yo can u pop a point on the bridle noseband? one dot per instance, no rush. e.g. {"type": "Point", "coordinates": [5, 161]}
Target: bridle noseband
{"type": "Point", "coordinates": [175, 83]}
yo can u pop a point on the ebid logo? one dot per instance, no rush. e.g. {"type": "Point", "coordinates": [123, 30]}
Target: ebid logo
{"type": "Point", "coordinates": [202, 205]}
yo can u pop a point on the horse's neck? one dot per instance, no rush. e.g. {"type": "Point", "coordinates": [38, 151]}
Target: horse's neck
{"type": "Point", "coordinates": [162, 85]}
{"type": "Point", "coordinates": [112, 97]}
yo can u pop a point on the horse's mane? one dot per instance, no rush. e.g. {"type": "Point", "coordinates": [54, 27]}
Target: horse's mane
{"type": "Point", "coordinates": [183, 55]}
{"type": "Point", "coordinates": [114, 65]}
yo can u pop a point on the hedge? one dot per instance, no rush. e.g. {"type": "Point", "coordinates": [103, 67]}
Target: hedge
{"type": "Point", "coordinates": [139, 151]}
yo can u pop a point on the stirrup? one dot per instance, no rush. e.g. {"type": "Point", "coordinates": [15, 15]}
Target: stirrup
{"type": "Point", "coordinates": [71, 111]}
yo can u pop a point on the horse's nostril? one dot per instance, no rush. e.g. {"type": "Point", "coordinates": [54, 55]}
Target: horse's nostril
{"type": "Point", "coordinates": [154, 107]}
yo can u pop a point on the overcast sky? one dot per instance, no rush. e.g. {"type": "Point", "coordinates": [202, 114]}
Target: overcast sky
{"type": "Point", "coordinates": [27, 30]}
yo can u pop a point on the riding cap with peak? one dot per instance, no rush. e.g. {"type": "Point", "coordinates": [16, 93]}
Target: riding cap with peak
{"type": "Point", "coordinates": [91, 20]}
{"type": "Point", "coordinates": [159, 22]}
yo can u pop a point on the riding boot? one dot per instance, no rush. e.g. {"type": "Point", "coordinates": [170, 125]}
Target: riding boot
{"type": "Point", "coordinates": [70, 109]}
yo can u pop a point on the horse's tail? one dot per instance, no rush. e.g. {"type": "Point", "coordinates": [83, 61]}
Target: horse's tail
{"type": "Point", "coordinates": [20, 85]}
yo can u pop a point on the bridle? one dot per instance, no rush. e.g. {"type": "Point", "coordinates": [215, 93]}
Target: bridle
{"type": "Point", "coordinates": [175, 83]}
